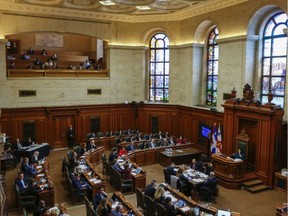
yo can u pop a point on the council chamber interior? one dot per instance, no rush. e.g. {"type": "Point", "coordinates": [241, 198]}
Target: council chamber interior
{"type": "Point", "coordinates": [212, 72]}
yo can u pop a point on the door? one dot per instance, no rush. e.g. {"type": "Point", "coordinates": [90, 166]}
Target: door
{"type": "Point", "coordinates": [60, 126]}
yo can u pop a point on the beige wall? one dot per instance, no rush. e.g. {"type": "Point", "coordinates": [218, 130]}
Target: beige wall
{"type": "Point", "coordinates": [128, 61]}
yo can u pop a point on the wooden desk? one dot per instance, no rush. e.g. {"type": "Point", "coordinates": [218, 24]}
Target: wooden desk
{"type": "Point", "coordinates": [282, 210]}
{"type": "Point", "coordinates": [127, 206]}
{"type": "Point", "coordinates": [179, 156]}
{"type": "Point", "coordinates": [43, 179]}
{"type": "Point", "coordinates": [191, 203]}
{"type": "Point", "coordinates": [280, 183]}
{"type": "Point", "coordinates": [227, 168]}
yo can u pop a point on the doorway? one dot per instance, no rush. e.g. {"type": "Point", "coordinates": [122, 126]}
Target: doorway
{"type": "Point", "coordinates": [60, 126]}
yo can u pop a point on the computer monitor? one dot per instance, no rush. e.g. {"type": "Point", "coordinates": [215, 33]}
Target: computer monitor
{"type": "Point", "coordinates": [221, 212]}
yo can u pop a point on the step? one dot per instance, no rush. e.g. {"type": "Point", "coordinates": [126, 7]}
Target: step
{"type": "Point", "coordinates": [252, 183]}
{"type": "Point", "coordinates": [257, 188]}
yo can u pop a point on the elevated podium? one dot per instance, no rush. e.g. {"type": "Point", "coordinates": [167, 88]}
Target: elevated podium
{"type": "Point", "coordinates": [227, 167]}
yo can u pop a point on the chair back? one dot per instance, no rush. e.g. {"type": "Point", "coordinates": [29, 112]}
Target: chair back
{"type": "Point", "coordinates": [140, 199]}
{"type": "Point", "coordinates": [160, 210]}
{"type": "Point", "coordinates": [149, 206]}
{"type": "Point", "coordinates": [174, 181]}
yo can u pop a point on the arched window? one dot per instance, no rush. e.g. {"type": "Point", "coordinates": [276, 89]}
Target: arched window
{"type": "Point", "coordinates": [212, 68]}
{"type": "Point", "coordinates": [274, 59]}
{"type": "Point", "coordinates": [159, 68]}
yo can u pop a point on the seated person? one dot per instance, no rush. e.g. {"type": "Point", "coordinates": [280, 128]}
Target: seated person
{"type": "Point", "coordinates": [195, 165]}
{"type": "Point", "coordinates": [44, 52]}
{"type": "Point", "coordinates": [37, 62]}
{"type": "Point", "coordinates": [11, 65]}
{"type": "Point", "coordinates": [131, 147]}
{"type": "Point", "coordinates": [113, 156]}
{"type": "Point", "coordinates": [239, 155]}
{"type": "Point", "coordinates": [28, 169]}
{"type": "Point", "coordinates": [127, 172]}
{"type": "Point", "coordinates": [22, 185]}
{"type": "Point", "coordinates": [78, 183]}
{"type": "Point", "coordinates": [118, 211]}
{"type": "Point", "coordinates": [122, 152]}
{"type": "Point", "coordinates": [10, 57]}
{"type": "Point", "coordinates": [150, 189]}
{"type": "Point", "coordinates": [208, 188]}
{"type": "Point", "coordinates": [41, 208]}
{"type": "Point", "coordinates": [73, 161]}
{"type": "Point", "coordinates": [25, 56]}
{"type": "Point", "coordinates": [180, 140]}
{"type": "Point", "coordinates": [208, 167]}
{"type": "Point", "coordinates": [116, 166]}
{"type": "Point", "coordinates": [54, 57]}
{"type": "Point", "coordinates": [100, 195]}
{"type": "Point", "coordinates": [171, 210]}
{"type": "Point", "coordinates": [70, 67]}
{"type": "Point", "coordinates": [47, 64]}
{"type": "Point", "coordinates": [35, 157]}
{"type": "Point", "coordinates": [90, 145]}
{"type": "Point", "coordinates": [103, 209]}
{"type": "Point", "coordinates": [151, 144]}
{"type": "Point", "coordinates": [183, 183]}
{"type": "Point", "coordinates": [159, 195]}
{"type": "Point", "coordinates": [171, 141]}
{"type": "Point", "coordinates": [30, 51]}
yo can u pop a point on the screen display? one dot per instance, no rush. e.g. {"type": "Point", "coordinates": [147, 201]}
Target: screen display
{"type": "Point", "coordinates": [206, 131]}
{"type": "Point", "coordinates": [223, 213]}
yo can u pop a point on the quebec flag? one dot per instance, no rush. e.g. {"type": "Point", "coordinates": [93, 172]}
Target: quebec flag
{"type": "Point", "coordinates": [213, 139]}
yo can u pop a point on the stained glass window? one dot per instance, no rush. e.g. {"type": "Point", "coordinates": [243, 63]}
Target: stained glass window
{"type": "Point", "coordinates": [274, 59]}
{"type": "Point", "coordinates": [212, 68]}
{"type": "Point", "coordinates": [159, 68]}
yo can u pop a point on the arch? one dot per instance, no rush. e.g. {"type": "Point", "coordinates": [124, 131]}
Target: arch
{"type": "Point", "coordinates": [146, 37]}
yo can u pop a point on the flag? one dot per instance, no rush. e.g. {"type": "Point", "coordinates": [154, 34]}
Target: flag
{"type": "Point", "coordinates": [219, 141]}
{"type": "Point", "coordinates": [213, 139]}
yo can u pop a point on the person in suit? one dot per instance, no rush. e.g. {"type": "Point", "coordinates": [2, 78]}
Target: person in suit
{"type": "Point", "coordinates": [208, 168]}
{"type": "Point", "coordinates": [20, 182]}
{"type": "Point", "coordinates": [28, 142]}
{"type": "Point", "coordinates": [150, 189]}
{"type": "Point", "coordinates": [239, 155]}
{"type": "Point", "coordinates": [131, 147]}
{"type": "Point", "coordinates": [41, 208]}
{"type": "Point", "coordinates": [28, 169]}
{"type": "Point", "coordinates": [113, 156]}
{"type": "Point", "coordinates": [90, 145]}
{"type": "Point", "coordinates": [152, 144]}
{"type": "Point", "coordinates": [195, 164]}
{"type": "Point", "coordinates": [78, 184]}
{"type": "Point", "coordinates": [73, 161]}
{"type": "Point", "coordinates": [71, 136]}
{"type": "Point", "coordinates": [35, 157]}
{"type": "Point", "coordinates": [100, 195]}
{"type": "Point", "coordinates": [118, 211]}
{"type": "Point", "coordinates": [171, 169]}
{"type": "Point", "coordinates": [17, 145]}
{"type": "Point", "coordinates": [171, 209]}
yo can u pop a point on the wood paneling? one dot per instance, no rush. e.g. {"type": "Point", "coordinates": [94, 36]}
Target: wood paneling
{"type": "Point", "coordinates": [264, 126]}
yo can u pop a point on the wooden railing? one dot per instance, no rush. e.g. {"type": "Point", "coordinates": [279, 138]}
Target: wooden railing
{"type": "Point", "coordinates": [57, 73]}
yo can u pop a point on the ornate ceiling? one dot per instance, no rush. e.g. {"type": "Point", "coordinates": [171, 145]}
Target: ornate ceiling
{"type": "Point", "coordinates": [118, 10]}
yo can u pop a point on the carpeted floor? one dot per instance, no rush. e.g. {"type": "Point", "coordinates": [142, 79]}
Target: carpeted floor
{"type": "Point", "coordinates": [248, 204]}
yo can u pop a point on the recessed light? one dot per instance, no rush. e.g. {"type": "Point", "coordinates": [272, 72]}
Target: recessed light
{"type": "Point", "coordinates": [107, 2]}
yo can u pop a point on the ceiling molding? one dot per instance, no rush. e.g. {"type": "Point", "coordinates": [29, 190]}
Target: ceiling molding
{"type": "Point", "coordinates": [50, 11]}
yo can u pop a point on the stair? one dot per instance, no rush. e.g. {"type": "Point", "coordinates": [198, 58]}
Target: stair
{"type": "Point", "coordinates": [254, 186]}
